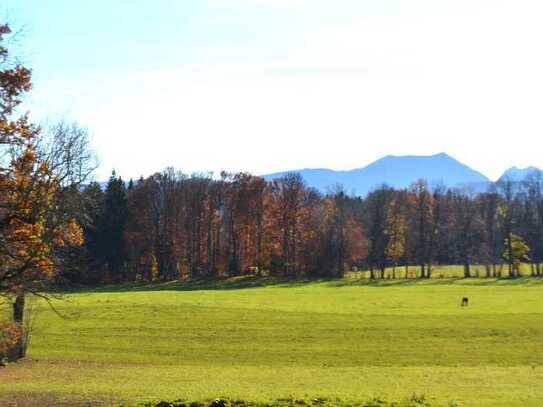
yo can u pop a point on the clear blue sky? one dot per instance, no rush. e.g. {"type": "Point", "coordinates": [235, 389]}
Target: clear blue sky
{"type": "Point", "coordinates": [267, 85]}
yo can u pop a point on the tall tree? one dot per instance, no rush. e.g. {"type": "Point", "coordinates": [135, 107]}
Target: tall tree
{"type": "Point", "coordinates": [112, 226]}
{"type": "Point", "coordinates": [516, 251]}
{"type": "Point", "coordinates": [507, 216]}
{"type": "Point", "coordinates": [532, 225]}
{"type": "Point", "coordinates": [376, 210]}
{"type": "Point", "coordinates": [289, 197]}
{"type": "Point", "coordinates": [489, 204]}
{"type": "Point", "coordinates": [423, 229]}
{"type": "Point", "coordinates": [466, 229]}
{"type": "Point", "coordinates": [396, 229]}
{"type": "Point", "coordinates": [93, 258]}
{"type": "Point", "coordinates": [34, 224]}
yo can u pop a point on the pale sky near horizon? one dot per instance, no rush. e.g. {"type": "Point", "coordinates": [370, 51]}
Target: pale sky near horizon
{"type": "Point", "coordinates": [271, 85]}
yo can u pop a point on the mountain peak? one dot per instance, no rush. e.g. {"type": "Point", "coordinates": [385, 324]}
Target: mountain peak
{"type": "Point", "coordinates": [442, 155]}
{"type": "Point", "coordinates": [437, 155]}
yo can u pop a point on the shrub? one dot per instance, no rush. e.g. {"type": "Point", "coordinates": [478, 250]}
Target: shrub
{"type": "Point", "coordinates": [10, 334]}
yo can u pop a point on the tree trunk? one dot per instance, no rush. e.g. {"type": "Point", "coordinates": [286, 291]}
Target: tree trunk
{"type": "Point", "coordinates": [406, 271]}
{"type": "Point", "coordinates": [510, 257]}
{"type": "Point", "coordinates": [467, 273]}
{"type": "Point", "coordinates": [258, 248]}
{"type": "Point", "coordinates": [18, 351]}
{"type": "Point", "coordinates": [19, 308]}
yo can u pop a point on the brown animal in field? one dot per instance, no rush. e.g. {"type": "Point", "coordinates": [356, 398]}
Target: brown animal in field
{"type": "Point", "coordinates": [465, 302]}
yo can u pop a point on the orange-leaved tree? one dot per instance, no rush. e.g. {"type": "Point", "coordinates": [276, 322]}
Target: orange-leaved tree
{"type": "Point", "coordinates": [32, 227]}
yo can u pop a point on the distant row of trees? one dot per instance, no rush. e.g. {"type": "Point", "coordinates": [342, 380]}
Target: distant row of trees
{"type": "Point", "coordinates": [171, 225]}
{"type": "Point", "coordinates": [425, 227]}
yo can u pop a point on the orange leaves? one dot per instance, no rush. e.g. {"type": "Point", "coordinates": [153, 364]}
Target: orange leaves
{"type": "Point", "coordinates": [396, 229]}
{"type": "Point", "coordinates": [10, 333]}
{"type": "Point", "coordinates": [28, 242]}
{"type": "Point", "coordinates": [16, 132]}
{"type": "Point", "coordinates": [15, 81]}
{"type": "Point", "coordinates": [30, 225]}
{"type": "Point", "coordinates": [73, 233]}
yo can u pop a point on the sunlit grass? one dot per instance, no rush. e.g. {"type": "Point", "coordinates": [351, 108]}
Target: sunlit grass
{"type": "Point", "coordinates": [254, 340]}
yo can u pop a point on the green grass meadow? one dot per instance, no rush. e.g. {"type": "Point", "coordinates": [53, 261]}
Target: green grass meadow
{"type": "Point", "coordinates": [264, 340]}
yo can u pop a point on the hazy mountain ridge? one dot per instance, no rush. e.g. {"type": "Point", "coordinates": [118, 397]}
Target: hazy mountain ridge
{"type": "Point", "coordinates": [400, 172]}
{"type": "Point", "coordinates": [397, 172]}
{"type": "Point", "coordinates": [520, 174]}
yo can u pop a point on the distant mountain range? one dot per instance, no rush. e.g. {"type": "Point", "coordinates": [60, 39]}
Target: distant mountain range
{"type": "Point", "coordinates": [400, 172]}
{"type": "Point", "coordinates": [520, 174]}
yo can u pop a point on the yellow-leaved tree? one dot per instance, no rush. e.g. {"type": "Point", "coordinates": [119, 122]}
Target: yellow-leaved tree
{"type": "Point", "coordinates": [396, 230]}
{"type": "Point", "coordinates": [515, 251]}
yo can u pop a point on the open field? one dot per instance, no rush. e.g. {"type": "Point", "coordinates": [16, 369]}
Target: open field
{"type": "Point", "coordinates": [263, 340]}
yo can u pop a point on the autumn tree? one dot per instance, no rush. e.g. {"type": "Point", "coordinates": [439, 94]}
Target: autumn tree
{"type": "Point", "coordinates": [332, 240]}
{"type": "Point", "coordinates": [396, 229]}
{"type": "Point", "coordinates": [442, 222]}
{"type": "Point", "coordinates": [532, 219]}
{"type": "Point", "coordinates": [515, 251]}
{"type": "Point", "coordinates": [237, 221]}
{"type": "Point", "coordinates": [166, 204]}
{"type": "Point", "coordinates": [288, 205]}
{"type": "Point", "coordinates": [140, 231]}
{"type": "Point", "coordinates": [245, 206]}
{"type": "Point", "coordinates": [214, 209]}
{"type": "Point", "coordinates": [375, 219]}
{"type": "Point", "coordinates": [339, 233]}
{"type": "Point", "coordinates": [33, 225]}
{"type": "Point", "coordinates": [507, 217]}
{"type": "Point", "coordinates": [466, 229]}
{"type": "Point", "coordinates": [65, 148]}
{"type": "Point", "coordinates": [423, 206]}
{"type": "Point", "coordinates": [156, 230]}
{"type": "Point", "coordinates": [258, 192]}
{"type": "Point", "coordinates": [489, 209]}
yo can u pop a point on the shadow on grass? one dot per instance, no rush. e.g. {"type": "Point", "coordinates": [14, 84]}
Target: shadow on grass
{"type": "Point", "coordinates": [247, 282]}
{"type": "Point", "coordinates": [228, 283]}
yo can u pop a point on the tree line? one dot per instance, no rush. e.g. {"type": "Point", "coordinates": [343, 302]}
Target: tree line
{"type": "Point", "coordinates": [171, 225]}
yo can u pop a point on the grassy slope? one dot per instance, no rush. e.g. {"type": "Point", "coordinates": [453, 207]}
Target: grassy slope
{"type": "Point", "coordinates": [343, 339]}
